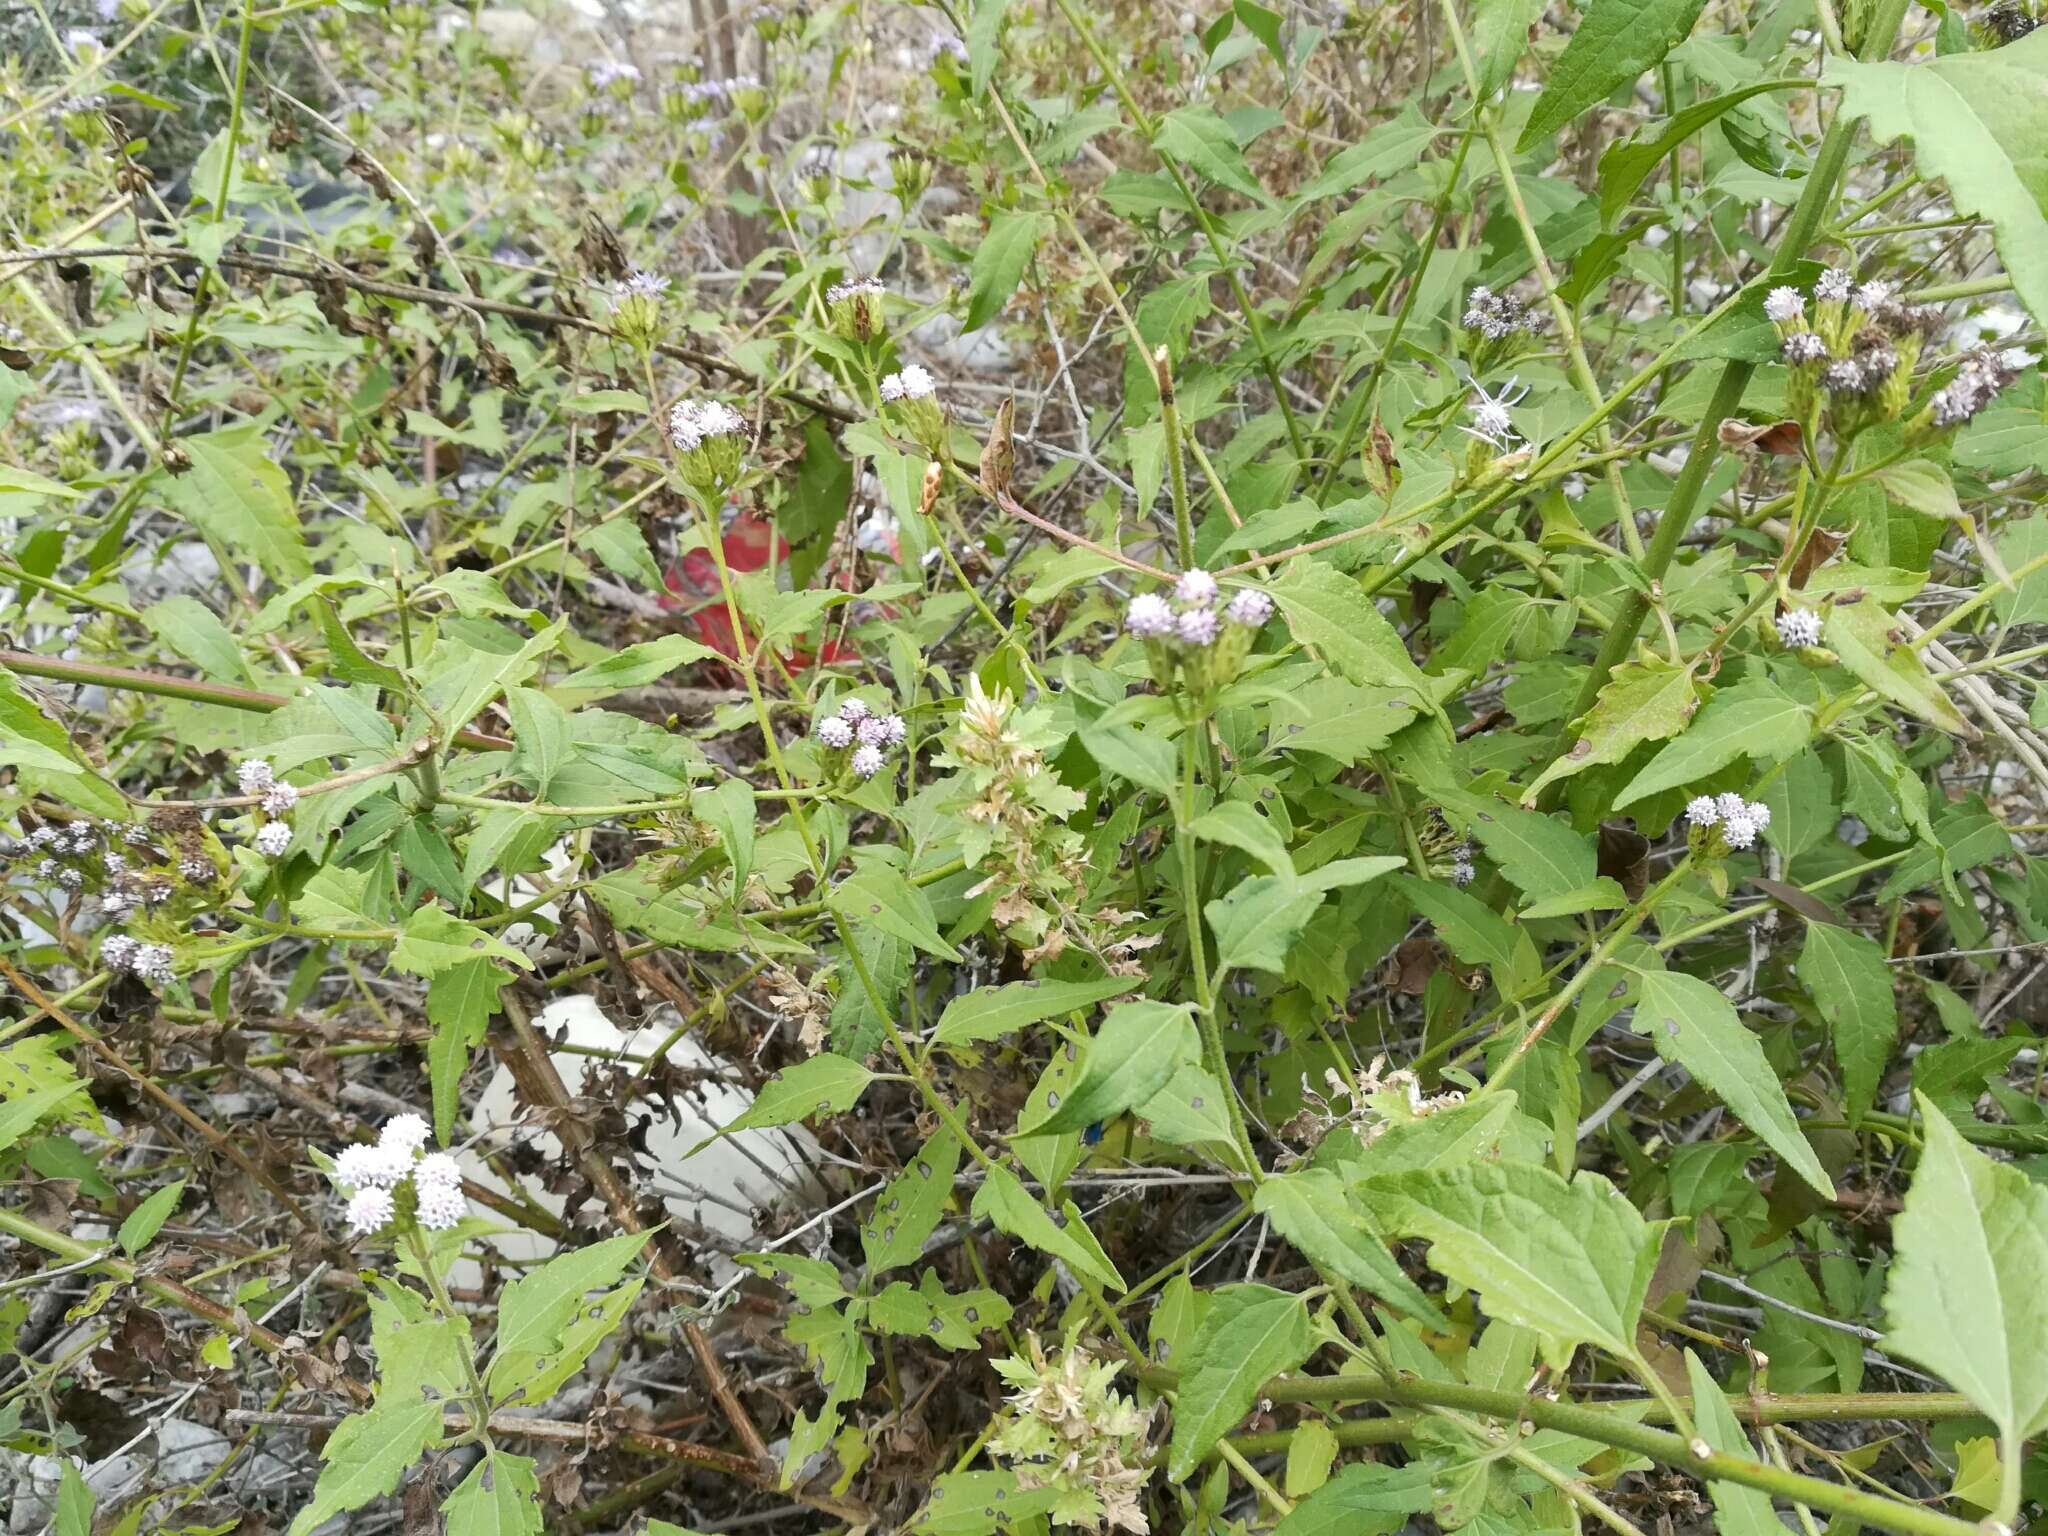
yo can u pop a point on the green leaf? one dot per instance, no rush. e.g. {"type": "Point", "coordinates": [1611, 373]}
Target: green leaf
{"type": "Point", "coordinates": [992, 1012]}
{"type": "Point", "coordinates": [1626, 163]}
{"type": "Point", "coordinates": [1691, 1023]}
{"type": "Point", "coordinates": [75, 1502]}
{"type": "Point", "coordinates": [1190, 1112]}
{"type": "Point", "coordinates": [21, 720]}
{"type": "Point", "coordinates": [147, 1219]}
{"type": "Point", "coordinates": [1921, 485]}
{"type": "Point", "coordinates": [1235, 824]}
{"type": "Point", "coordinates": [236, 495]}
{"type": "Point", "coordinates": [345, 659]}
{"type": "Point", "coordinates": [822, 1085]}
{"type": "Point", "coordinates": [1135, 1053]}
{"type": "Point", "coordinates": [1755, 720]}
{"type": "Point", "coordinates": [434, 940]}
{"type": "Point", "coordinates": [907, 1211]}
{"type": "Point", "coordinates": [1199, 139]}
{"type": "Point", "coordinates": [1365, 1498]}
{"type": "Point", "coordinates": [1543, 856]}
{"type": "Point", "coordinates": [2019, 543]}
{"type": "Point", "coordinates": [1326, 609]}
{"type": "Point", "coordinates": [1739, 1510]}
{"type": "Point", "coordinates": [1390, 147]}
{"type": "Point", "coordinates": [1262, 24]}
{"type": "Point", "coordinates": [18, 1116]}
{"type": "Point", "coordinates": [1851, 986]}
{"type": "Point", "coordinates": [983, 1504]}
{"type": "Point", "coordinates": [1472, 930]}
{"type": "Point", "coordinates": [1571, 1262]}
{"type": "Point", "coordinates": [1004, 1201]}
{"type": "Point", "coordinates": [1644, 701]}
{"type": "Point", "coordinates": [1615, 42]}
{"type": "Point", "coordinates": [16, 481]}
{"type": "Point", "coordinates": [877, 896]}
{"type": "Point", "coordinates": [730, 808]}
{"type": "Point", "coordinates": [461, 1002]}
{"type": "Point", "coordinates": [500, 1497]}
{"type": "Point", "coordinates": [1500, 36]}
{"type": "Point", "coordinates": [999, 263]}
{"type": "Point", "coordinates": [1964, 1296]}
{"type": "Point", "coordinates": [1249, 1334]}
{"type": "Point", "coordinates": [191, 629]}
{"type": "Point", "coordinates": [1259, 920]}
{"type": "Point", "coordinates": [1310, 1208]}
{"type": "Point", "coordinates": [539, 1304]}
{"type": "Point", "coordinates": [638, 665]}
{"type": "Point", "coordinates": [541, 728]}
{"type": "Point", "coordinates": [1863, 635]}
{"type": "Point", "coordinates": [1977, 122]}
{"type": "Point", "coordinates": [366, 1456]}
{"type": "Point", "coordinates": [589, 1326]}
{"type": "Point", "coordinates": [930, 1311]}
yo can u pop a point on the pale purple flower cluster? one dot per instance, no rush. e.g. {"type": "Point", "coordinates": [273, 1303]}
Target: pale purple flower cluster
{"type": "Point", "coordinates": [1191, 616]}
{"type": "Point", "coordinates": [279, 799]}
{"type": "Point", "coordinates": [857, 288]}
{"type": "Point", "coordinates": [1496, 316]}
{"type": "Point", "coordinates": [148, 962]}
{"type": "Point", "coordinates": [1740, 820]}
{"type": "Point", "coordinates": [1799, 628]}
{"type": "Point", "coordinates": [373, 1173]}
{"type": "Point", "coordinates": [605, 73]}
{"type": "Point", "coordinates": [871, 736]}
{"type": "Point", "coordinates": [690, 422]}
{"type": "Point", "coordinates": [1983, 375]}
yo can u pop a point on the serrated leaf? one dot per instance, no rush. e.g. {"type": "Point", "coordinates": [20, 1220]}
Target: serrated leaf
{"type": "Point", "coordinates": [730, 808]}
{"type": "Point", "coordinates": [1964, 1296]}
{"type": "Point", "coordinates": [1190, 1112]}
{"type": "Point", "coordinates": [822, 1085]}
{"type": "Point", "coordinates": [999, 263]}
{"type": "Point", "coordinates": [1627, 162]}
{"type": "Point", "coordinates": [1235, 824]}
{"type": "Point", "coordinates": [1135, 1053]}
{"type": "Point", "coordinates": [1644, 701]}
{"type": "Point", "coordinates": [434, 940]}
{"type": "Point", "coordinates": [1004, 1201]}
{"type": "Point", "coordinates": [236, 494]}
{"type": "Point", "coordinates": [1756, 721]}
{"type": "Point", "coordinates": [541, 728]}
{"type": "Point", "coordinates": [1863, 635]}
{"type": "Point", "coordinates": [1977, 122]}
{"type": "Point", "coordinates": [638, 665]}
{"type": "Point", "coordinates": [1691, 1023]}
{"type": "Point", "coordinates": [1258, 921]}
{"type": "Point", "coordinates": [930, 1311]}
{"type": "Point", "coordinates": [1309, 1207]}
{"type": "Point", "coordinates": [22, 721]}
{"type": "Point", "coordinates": [908, 1209]}
{"type": "Point", "coordinates": [1249, 1334]}
{"type": "Point", "coordinates": [1199, 139]}
{"type": "Point", "coordinates": [500, 1497]}
{"type": "Point", "coordinates": [461, 1002]}
{"type": "Point", "coordinates": [1540, 854]}
{"type": "Point", "coordinates": [1365, 1498]}
{"type": "Point", "coordinates": [1851, 986]}
{"type": "Point", "coordinates": [18, 1116]}
{"type": "Point", "coordinates": [539, 1304]}
{"type": "Point", "coordinates": [1615, 42]}
{"type": "Point", "coordinates": [196, 633]}
{"type": "Point", "coordinates": [992, 1012]}
{"type": "Point", "coordinates": [589, 1326]}
{"type": "Point", "coordinates": [1328, 610]}
{"type": "Point", "coordinates": [1571, 1262]}
{"type": "Point", "coordinates": [366, 1456]}
{"type": "Point", "coordinates": [877, 896]}
{"type": "Point", "coordinates": [1470, 929]}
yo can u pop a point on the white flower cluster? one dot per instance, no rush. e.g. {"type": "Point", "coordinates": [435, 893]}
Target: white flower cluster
{"type": "Point", "coordinates": [1192, 617]}
{"type": "Point", "coordinates": [1785, 306]}
{"type": "Point", "coordinates": [858, 288]}
{"type": "Point", "coordinates": [375, 1172]}
{"type": "Point", "coordinates": [1740, 820]}
{"type": "Point", "coordinates": [913, 383]}
{"type": "Point", "coordinates": [636, 285]}
{"type": "Point", "coordinates": [1799, 628]}
{"type": "Point", "coordinates": [257, 777]}
{"type": "Point", "coordinates": [871, 736]}
{"type": "Point", "coordinates": [691, 422]}
{"type": "Point", "coordinates": [148, 962]}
